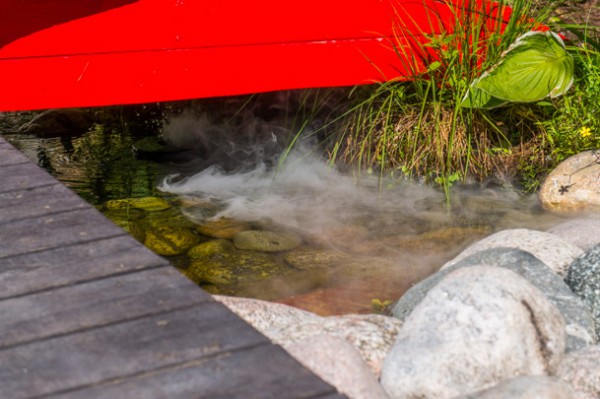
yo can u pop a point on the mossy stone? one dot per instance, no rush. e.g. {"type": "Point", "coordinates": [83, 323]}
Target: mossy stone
{"type": "Point", "coordinates": [312, 259]}
{"type": "Point", "coordinates": [266, 241]}
{"type": "Point", "coordinates": [210, 248]}
{"type": "Point", "coordinates": [170, 241]}
{"type": "Point", "coordinates": [171, 217]}
{"type": "Point", "coordinates": [133, 228]}
{"type": "Point", "coordinates": [149, 204]}
{"type": "Point", "coordinates": [233, 267]}
{"type": "Point", "coordinates": [129, 214]}
{"type": "Point", "coordinates": [222, 228]}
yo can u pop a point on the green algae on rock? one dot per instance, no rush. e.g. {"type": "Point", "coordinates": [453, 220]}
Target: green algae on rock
{"type": "Point", "coordinates": [171, 217]}
{"type": "Point", "coordinates": [266, 241]}
{"type": "Point", "coordinates": [149, 204]}
{"type": "Point", "coordinates": [208, 249]}
{"type": "Point", "coordinates": [232, 267]}
{"type": "Point", "coordinates": [170, 241]}
{"type": "Point", "coordinates": [133, 228]}
{"type": "Point", "coordinates": [128, 214]}
{"type": "Point", "coordinates": [312, 259]}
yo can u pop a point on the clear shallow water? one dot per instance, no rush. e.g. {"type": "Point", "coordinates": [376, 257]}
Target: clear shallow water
{"type": "Point", "coordinates": [363, 240]}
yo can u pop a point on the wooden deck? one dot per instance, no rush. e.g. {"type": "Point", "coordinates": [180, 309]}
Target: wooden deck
{"type": "Point", "coordinates": [88, 312]}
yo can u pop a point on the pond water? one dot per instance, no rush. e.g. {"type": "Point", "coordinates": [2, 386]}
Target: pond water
{"type": "Point", "coordinates": [211, 193]}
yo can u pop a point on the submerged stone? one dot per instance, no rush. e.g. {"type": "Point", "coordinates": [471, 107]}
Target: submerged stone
{"type": "Point", "coordinates": [149, 204]}
{"type": "Point", "coordinates": [438, 239]}
{"type": "Point", "coordinates": [170, 241]}
{"type": "Point", "coordinates": [311, 259]}
{"type": "Point", "coordinates": [209, 249]}
{"type": "Point", "coordinates": [133, 228]}
{"type": "Point", "coordinates": [123, 214]}
{"type": "Point", "coordinates": [222, 228]}
{"type": "Point", "coordinates": [171, 217]}
{"type": "Point", "coordinates": [266, 241]}
{"type": "Point", "coordinates": [210, 266]}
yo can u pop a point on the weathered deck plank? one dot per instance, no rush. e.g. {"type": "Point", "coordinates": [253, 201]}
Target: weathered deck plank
{"type": "Point", "coordinates": [87, 312]}
{"type": "Point", "coordinates": [38, 201]}
{"type": "Point", "coordinates": [124, 349]}
{"type": "Point", "coordinates": [53, 231]}
{"type": "Point", "coordinates": [72, 264]}
{"type": "Point", "coordinates": [96, 303]}
{"type": "Point", "coordinates": [21, 176]}
{"type": "Point", "coordinates": [211, 379]}
{"type": "Point", "coordinates": [10, 156]}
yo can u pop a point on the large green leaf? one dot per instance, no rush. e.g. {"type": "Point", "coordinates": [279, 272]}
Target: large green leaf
{"type": "Point", "coordinates": [536, 66]}
{"type": "Point", "coordinates": [477, 98]}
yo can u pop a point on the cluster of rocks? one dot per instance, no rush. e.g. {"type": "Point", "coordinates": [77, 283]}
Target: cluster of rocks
{"type": "Point", "coordinates": [515, 315]}
{"type": "Point", "coordinates": [495, 322]}
{"type": "Point", "coordinates": [216, 252]}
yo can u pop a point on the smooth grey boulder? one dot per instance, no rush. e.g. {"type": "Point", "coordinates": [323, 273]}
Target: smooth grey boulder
{"type": "Point", "coordinates": [526, 387]}
{"type": "Point", "coordinates": [578, 318]}
{"type": "Point", "coordinates": [478, 326]}
{"type": "Point", "coordinates": [583, 277]}
{"type": "Point", "coordinates": [557, 254]}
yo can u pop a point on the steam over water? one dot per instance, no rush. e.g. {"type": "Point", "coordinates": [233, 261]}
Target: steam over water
{"type": "Point", "coordinates": [393, 232]}
{"type": "Point", "coordinates": [363, 237]}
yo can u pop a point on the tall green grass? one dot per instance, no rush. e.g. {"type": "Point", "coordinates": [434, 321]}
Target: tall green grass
{"type": "Point", "coordinates": [416, 125]}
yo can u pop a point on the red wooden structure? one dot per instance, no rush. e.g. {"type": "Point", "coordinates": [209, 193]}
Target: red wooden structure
{"type": "Point", "coordinates": [64, 53]}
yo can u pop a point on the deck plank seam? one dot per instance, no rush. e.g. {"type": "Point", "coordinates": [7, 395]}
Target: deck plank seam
{"type": "Point", "coordinates": [83, 206]}
{"type": "Point", "coordinates": [23, 162]}
{"type": "Point", "coordinates": [64, 245]}
{"type": "Point", "coordinates": [158, 370]}
{"type": "Point", "coordinates": [201, 302]}
{"type": "Point", "coordinates": [158, 266]}
{"type": "Point", "coordinates": [50, 183]}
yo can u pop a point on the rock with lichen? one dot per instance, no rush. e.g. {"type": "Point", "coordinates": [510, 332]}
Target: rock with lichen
{"type": "Point", "coordinates": [170, 241]}
{"type": "Point", "coordinates": [148, 204]}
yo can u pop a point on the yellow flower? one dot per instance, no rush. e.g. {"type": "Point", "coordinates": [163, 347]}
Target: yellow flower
{"type": "Point", "coordinates": [585, 131]}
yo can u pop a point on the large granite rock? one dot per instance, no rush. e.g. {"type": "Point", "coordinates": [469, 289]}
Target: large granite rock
{"type": "Point", "coordinates": [582, 370]}
{"type": "Point", "coordinates": [372, 335]}
{"type": "Point", "coordinates": [557, 254]}
{"type": "Point", "coordinates": [477, 327]}
{"type": "Point", "coordinates": [584, 279]}
{"type": "Point", "coordinates": [337, 362]}
{"type": "Point", "coordinates": [578, 319]}
{"type": "Point", "coordinates": [526, 387]}
{"type": "Point", "coordinates": [574, 184]}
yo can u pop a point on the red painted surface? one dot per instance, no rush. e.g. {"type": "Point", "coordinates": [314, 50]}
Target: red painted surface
{"type": "Point", "coordinates": [64, 53]}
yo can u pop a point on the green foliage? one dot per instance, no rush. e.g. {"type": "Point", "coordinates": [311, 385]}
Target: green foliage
{"type": "Point", "coordinates": [417, 125]}
{"type": "Point", "coordinates": [444, 124]}
{"type": "Point", "coordinates": [536, 66]}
